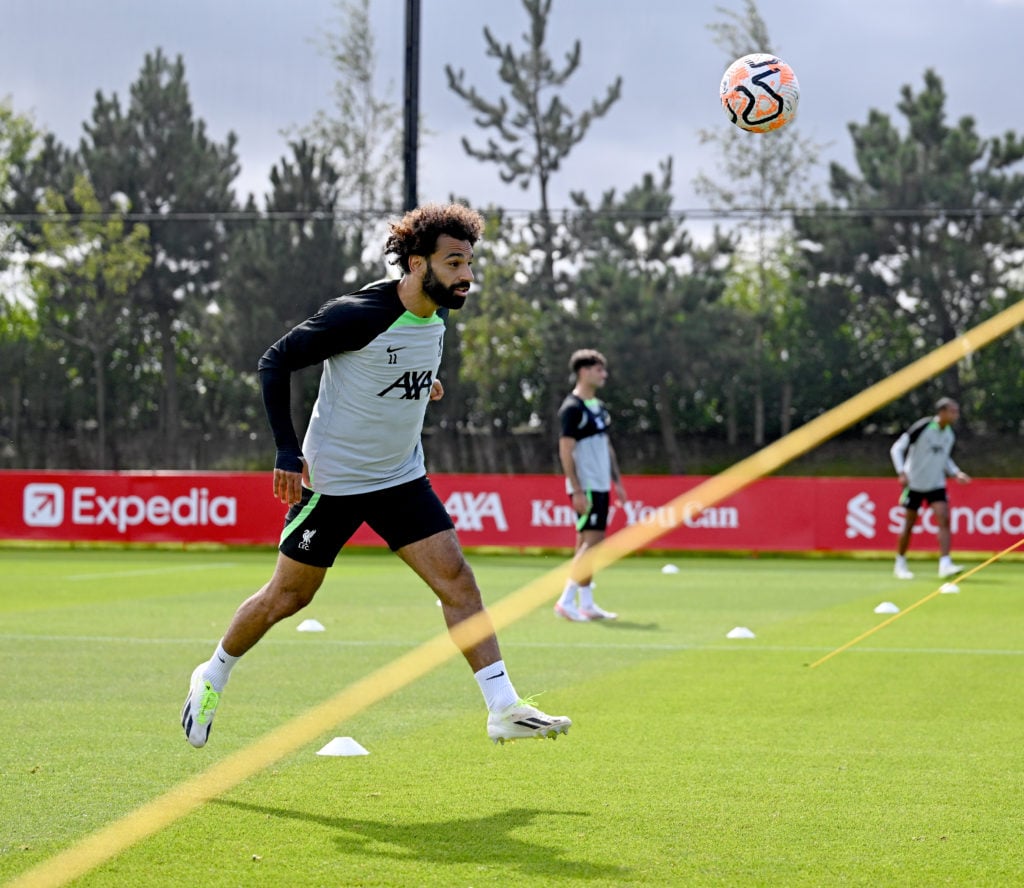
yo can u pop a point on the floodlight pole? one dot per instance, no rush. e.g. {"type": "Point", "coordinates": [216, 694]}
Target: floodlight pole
{"type": "Point", "coordinates": [412, 99]}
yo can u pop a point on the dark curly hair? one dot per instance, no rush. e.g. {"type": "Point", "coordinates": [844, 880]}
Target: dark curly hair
{"type": "Point", "coordinates": [416, 233]}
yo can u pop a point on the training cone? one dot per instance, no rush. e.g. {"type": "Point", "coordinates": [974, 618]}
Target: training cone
{"type": "Point", "coordinates": [740, 632]}
{"type": "Point", "coordinates": [887, 607]}
{"type": "Point", "coordinates": [311, 626]}
{"type": "Point", "coordinates": [343, 746]}
{"type": "Point", "coordinates": [670, 569]}
{"type": "Point", "coordinates": [949, 589]}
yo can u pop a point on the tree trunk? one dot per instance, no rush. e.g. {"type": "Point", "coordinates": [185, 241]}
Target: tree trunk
{"type": "Point", "coordinates": [732, 434]}
{"type": "Point", "coordinates": [100, 371]}
{"type": "Point", "coordinates": [171, 413]}
{"type": "Point", "coordinates": [786, 409]}
{"type": "Point", "coordinates": [759, 435]}
{"type": "Point", "coordinates": [668, 432]}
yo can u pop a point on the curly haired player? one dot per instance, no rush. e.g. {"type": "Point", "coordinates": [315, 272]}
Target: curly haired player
{"type": "Point", "coordinates": [362, 460]}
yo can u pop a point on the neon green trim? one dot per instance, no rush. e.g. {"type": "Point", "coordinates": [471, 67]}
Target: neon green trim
{"type": "Point", "coordinates": [295, 522]}
{"type": "Point", "coordinates": [207, 703]}
{"type": "Point", "coordinates": [582, 520]}
{"type": "Point", "coordinates": [593, 403]}
{"type": "Point", "coordinates": [408, 319]}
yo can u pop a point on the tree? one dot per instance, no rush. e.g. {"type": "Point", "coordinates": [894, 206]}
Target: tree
{"type": "Point", "coordinates": [362, 135]}
{"type": "Point", "coordinates": [653, 299]}
{"type": "Point", "coordinates": [160, 157]}
{"type": "Point", "coordinates": [925, 239]}
{"type": "Point", "coordinates": [500, 338]}
{"type": "Point", "coordinates": [534, 134]}
{"type": "Point", "coordinates": [17, 327]}
{"type": "Point", "coordinates": [17, 135]}
{"type": "Point", "coordinates": [83, 277]}
{"type": "Point", "coordinates": [761, 175]}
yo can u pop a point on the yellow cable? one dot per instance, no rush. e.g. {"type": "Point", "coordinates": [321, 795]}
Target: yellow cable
{"type": "Point", "coordinates": [959, 579]}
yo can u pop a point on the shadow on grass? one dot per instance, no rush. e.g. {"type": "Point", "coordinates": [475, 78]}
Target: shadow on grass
{"type": "Point", "coordinates": [483, 841]}
{"type": "Point", "coordinates": [626, 624]}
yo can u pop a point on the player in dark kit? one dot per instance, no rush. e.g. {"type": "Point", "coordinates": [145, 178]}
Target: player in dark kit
{"type": "Point", "coordinates": [362, 460]}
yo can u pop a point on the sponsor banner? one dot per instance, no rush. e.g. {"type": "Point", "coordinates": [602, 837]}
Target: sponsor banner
{"type": "Point", "coordinates": [774, 514]}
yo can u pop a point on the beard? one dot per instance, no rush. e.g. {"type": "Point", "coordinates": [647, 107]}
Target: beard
{"type": "Point", "coordinates": [446, 297]}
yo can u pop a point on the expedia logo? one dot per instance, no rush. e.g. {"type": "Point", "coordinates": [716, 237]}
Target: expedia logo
{"type": "Point", "coordinates": [46, 505]}
{"type": "Point", "coordinates": [42, 505]}
{"type": "Point", "coordinates": [860, 517]}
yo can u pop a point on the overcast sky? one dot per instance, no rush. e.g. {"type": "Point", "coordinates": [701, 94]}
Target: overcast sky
{"type": "Point", "coordinates": [253, 68]}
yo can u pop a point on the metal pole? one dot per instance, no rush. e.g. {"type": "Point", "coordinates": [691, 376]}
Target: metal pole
{"type": "Point", "coordinates": [412, 100]}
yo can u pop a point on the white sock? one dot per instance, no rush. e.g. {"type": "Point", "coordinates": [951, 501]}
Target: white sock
{"type": "Point", "coordinates": [587, 595]}
{"type": "Point", "coordinates": [569, 593]}
{"type": "Point", "coordinates": [496, 686]}
{"type": "Point", "coordinates": [901, 560]}
{"type": "Point", "coordinates": [944, 560]}
{"type": "Point", "coordinates": [218, 670]}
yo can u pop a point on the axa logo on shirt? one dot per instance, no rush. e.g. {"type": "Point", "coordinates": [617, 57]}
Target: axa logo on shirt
{"type": "Point", "coordinates": [43, 505]}
{"type": "Point", "coordinates": [412, 384]}
{"type": "Point", "coordinates": [468, 510]}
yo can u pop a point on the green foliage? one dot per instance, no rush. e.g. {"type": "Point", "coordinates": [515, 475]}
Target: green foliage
{"type": "Point", "coordinates": [923, 246]}
{"type": "Point", "coordinates": [500, 336]}
{"type": "Point", "coordinates": [17, 133]}
{"type": "Point", "coordinates": [84, 275]}
{"type": "Point", "coordinates": [649, 298]}
{"type": "Point", "coordinates": [159, 156]}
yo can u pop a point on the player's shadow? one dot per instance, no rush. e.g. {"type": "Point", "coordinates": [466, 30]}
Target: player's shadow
{"type": "Point", "coordinates": [627, 624]}
{"type": "Point", "coordinates": [484, 841]}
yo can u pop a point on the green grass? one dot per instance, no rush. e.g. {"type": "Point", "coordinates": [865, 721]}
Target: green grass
{"type": "Point", "coordinates": [693, 760]}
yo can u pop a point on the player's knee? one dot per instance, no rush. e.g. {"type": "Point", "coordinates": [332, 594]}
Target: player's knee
{"type": "Point", "coordinates": [283, 599]}
{"type": "Point", "coordinates": [457, 585]}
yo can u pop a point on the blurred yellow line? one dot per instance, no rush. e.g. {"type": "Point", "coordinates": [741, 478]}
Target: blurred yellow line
{"type": "Point", "coordinates": [106, 843]}
{"type": "Point", "coordinates": [957, 579]}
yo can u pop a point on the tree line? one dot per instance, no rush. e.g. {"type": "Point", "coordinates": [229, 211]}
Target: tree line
{"type": "Point", "coordinates": [139, 292]}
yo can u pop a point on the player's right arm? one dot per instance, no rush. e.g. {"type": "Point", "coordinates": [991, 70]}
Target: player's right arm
{"type": "Point", "coordinates": [898, 455]}
{"type": "Point", "coordinates": [570, 418]}
{"type": "Point", "coordinates": [338, 326]}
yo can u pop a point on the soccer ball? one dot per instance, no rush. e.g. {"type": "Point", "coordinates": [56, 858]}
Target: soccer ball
{"type": "Point", "coordinates": [760, 93]}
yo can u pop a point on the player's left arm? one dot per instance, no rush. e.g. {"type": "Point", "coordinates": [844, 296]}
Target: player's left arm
{"type": "Point", "coordinates": [620, 489]}
{"type": "Point", "coordinates": [954, 471]}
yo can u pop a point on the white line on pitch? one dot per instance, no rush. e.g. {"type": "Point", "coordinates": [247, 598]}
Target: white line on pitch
{"type": "Point", "coordinates": [106, 575]}
{"type": "Point", "coordinates": [739, 648]}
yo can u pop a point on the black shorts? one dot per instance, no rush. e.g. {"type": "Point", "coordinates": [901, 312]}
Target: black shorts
{"type": "Point", "coordinates": [596, 516]}
{"type": "Point", "coordinates": [317, 527]}
{"type": "Point", "coordinates": [912, 499]}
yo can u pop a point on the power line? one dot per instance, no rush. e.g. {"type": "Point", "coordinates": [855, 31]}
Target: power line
{"type": "Point", "coordinates": [702, 213]}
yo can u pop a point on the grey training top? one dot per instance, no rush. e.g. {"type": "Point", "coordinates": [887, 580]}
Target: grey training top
{"type": "Point", "coordinates": [586, 422]}
{"type": "Point", "coordinates": [923, 452]}
{"type": "Point", "coordinates": [379, 362]}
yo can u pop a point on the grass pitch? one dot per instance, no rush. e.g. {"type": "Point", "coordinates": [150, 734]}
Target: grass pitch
{"type": "Point", "coordinates": [693, 760]}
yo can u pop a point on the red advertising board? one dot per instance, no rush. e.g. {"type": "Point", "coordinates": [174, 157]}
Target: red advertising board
{"type": "Point", "coordinates": [774, 514]}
